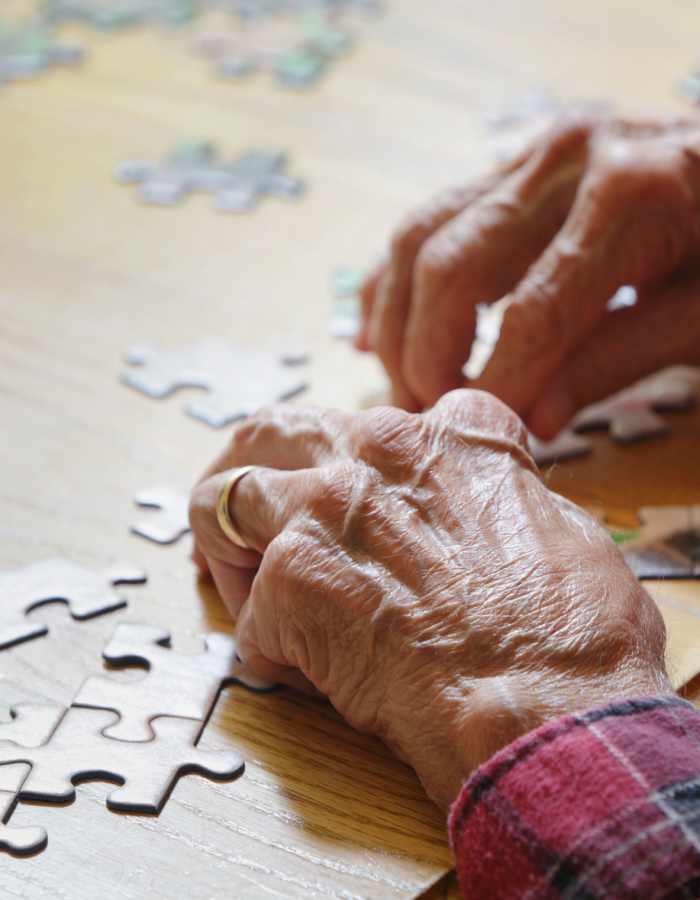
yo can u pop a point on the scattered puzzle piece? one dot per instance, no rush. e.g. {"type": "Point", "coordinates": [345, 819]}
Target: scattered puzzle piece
{"type": "Point", "coordinates": [632, 414]}
{"type": "Point", "coordinates": [238, 380]}
{"type": "Point", "coordinates": [147, 771]}
{"type": "Point", "coordinates": [114, 14]}
{"type": "Point", "coordinates": [194, 166]}
{"type": "Point", "coordinates": [345, 312]}
{"type": "Point", "coordinates": [86, 593]}
{"type": "Point", "coordinates": [31, 725]}
{"type": "Point", "coordinates": [30, 49]}
{"type": "Point", "coordinates": [177, 685]}
{"type": "Point", "coordinates": [567, 445]}
{"type": "Point", "coordinates": [667, 545]}
{"type": "Point", "coordinates": [171, 521]}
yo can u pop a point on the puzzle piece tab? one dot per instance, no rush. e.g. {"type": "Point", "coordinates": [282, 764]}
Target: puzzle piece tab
{"type": "Point", "coordinates": [238, 380]}
{"type": "Point", "coordinates": [31, 725]}
{"type": "Point", "coordinates": [632, 414]}
{"type": "Point", "coordinates": [170, 522]}
{"type": "Point", "coordinates": [667, 544]}
{"type": "Point", "coordinates": [86, 593]}
{"type": "Point", "coordinates": [194, 166]}
{"type": "Point", "coordinates": [147, 771]}
{"type": "Point", "coordinates": [176, 685]}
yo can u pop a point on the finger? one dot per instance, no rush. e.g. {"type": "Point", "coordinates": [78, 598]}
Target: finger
{"type": "Point", "coordinates": [393, 299]}
{"type": "Point", "coordinates": [283, 437]}
{"type": "Point", "coordinates": [633, 222]}
{"type": "Point", "coordinates": [481, 254]}
{"type": "Point", "coordinates": [663, 328]}
{"type": "Point", "coordinates": [368, 295]}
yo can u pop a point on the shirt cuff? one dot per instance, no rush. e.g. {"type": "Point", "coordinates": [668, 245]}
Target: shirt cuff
{"type": "Point", "coordinates": [603, 804]}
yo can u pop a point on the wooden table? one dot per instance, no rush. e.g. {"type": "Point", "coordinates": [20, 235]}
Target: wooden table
{"type": "Point", "coordinates": [86, 271]}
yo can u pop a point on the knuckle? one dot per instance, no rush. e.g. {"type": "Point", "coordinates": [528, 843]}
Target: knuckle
{"type": "Point", "coordinates": [283, 555]}
{"type": "Point", "coordinates": [467, 409]}
{"type": "Point", "coordinates": [386, 437]}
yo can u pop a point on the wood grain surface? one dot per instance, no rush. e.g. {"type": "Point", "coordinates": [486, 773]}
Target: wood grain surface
{"type": "Point", "coordinates": [85, 271]}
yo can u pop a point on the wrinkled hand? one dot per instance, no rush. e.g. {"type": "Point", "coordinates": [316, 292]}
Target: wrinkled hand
{"type": "Point", "coordinates": [416, 571]}
{"type": "Point", "coordinates": [591, 206]}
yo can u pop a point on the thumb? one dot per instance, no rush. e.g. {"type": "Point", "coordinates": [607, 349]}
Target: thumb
{"type": "Point", "coordinates": [663, 329]}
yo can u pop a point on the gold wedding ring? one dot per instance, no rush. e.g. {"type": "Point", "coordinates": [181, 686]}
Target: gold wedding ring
{"type": "Point", "coordinates": [223, 513]}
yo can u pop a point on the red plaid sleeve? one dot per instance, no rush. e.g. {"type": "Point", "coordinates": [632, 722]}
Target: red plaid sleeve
{"type": "Point", "coordinates": [600, 805]}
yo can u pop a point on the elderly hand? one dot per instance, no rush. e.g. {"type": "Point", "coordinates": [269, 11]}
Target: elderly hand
{"type": "Point", "coordinates": [416, 571]}
{"type": "Point", "coordinates": [590, 207]}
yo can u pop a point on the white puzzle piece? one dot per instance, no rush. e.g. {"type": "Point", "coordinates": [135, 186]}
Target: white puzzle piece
{"type": "Point", "coordinates": [176, 684]}
{"type": "Point", "coordinates": [236, 186]}
{"type": "Point", "coordinates": [632, 414]}
{"type": "Point", "coordinates": [567, 445]}
{"type": "Point", "coordinates": [170, 522]}
{"type": "Point", "coordinates": [238, 380]}
{"type": "Point", "coordinates": [668, 543]}
{"type": "Point", "coordinates": [78, 751]}
{"type": "Point", "coordinates": [86, 593]}
{"type": "Point", "coordinates": [30, 726]}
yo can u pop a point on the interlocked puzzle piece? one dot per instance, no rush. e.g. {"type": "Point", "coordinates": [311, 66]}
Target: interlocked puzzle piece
{"type": "Point", "coordinates": [567, 445]}
{"type": "Point", "coordinates": [86, 593]}
{"type": "Point", "coordinates": [114, 14]}
{"type": "Point", "coordinates": [171, 521]}
{"type": "Point", "coordinates": [29, 49]}
{"type": "Point", "coordinates": [667, 545]}
{"type": "Point", "coordinates": [31, 725]}
{"type": "Point", "coordinates": [177, 685]}
{"type": "Point", "coordinates": [194, 166]}
{"type": "Point", "coordinates": [632, 414]}
{"type": "Point", "coordinates": [147, 771]}
{"type": "Point", "coordinates": [238, 380]}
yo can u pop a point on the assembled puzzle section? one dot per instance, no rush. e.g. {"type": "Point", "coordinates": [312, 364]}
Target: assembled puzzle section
{"type": "Point", "coordinates": [238, 380]}
{"type": "Point", "coordinates": [30, 726]}
{"type": "Point", "coordinates": [194, 166]}
{"type": "Point", "coordinates": [175, 685]}
{"type": "Point", "coordinates": [86, 593]}
{"type": "Point", "coordinates": [170, 519]}
{"type": "Point", "coordinates": [114, 14]}
{"type": "Point", "coordinates": [78, 751]}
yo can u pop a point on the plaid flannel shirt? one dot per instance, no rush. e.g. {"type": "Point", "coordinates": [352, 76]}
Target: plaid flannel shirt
{"type": "Point", "coordinates": [600, 805]}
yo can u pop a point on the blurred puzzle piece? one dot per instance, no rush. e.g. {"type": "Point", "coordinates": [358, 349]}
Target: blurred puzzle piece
{"type": "Point", "coordinates": [566, 445]}
{"type": "Point", "coordinates": [176, 684]}
{"type": "Point", "coordinates": [632, 414]}
{"type": "Point", "coordinates": [194, 166]}
{"type": "Point", "coordinates": [86, 593]}
{"type": "Point", "coordinates": [667, 544]}
{"type": "Point", "coordinates": [170, 522]}
{"type": "Point", "coordinates": [30, 49]}
{"type": "Point", "coordinates": [238, 380]}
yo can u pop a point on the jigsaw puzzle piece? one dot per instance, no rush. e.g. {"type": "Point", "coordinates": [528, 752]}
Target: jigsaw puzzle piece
{"type": "Point", "coordinates": [566, 445]}
{"type": "Point", "coordinates": [238, 380]}
{"type": "Point", "coordinates": [631, 414]}
{"type": "Point", "coordinates": [172, 520]}
{"type": "Point", "coordinates": [86, 593]}
{"type": "Point", "coordinates": [176, 684]}
{"type": "Point", "coordinates": [667, 544]}
{"type": "Point", "coordinates": [78, 751]}
{"type": "Point", "coordinates": [30, 725]}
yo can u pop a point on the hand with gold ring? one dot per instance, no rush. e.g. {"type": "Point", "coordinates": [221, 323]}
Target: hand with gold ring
{"type": "Point", "coordinates": [415, 570]}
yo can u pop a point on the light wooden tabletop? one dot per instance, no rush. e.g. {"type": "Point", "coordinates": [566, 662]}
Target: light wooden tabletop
{"type": "Point", "coordinates": [87, 271]}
